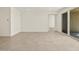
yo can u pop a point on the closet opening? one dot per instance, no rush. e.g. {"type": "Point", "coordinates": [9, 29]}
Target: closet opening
{"type": "Point", "coordinates": [64, 23]}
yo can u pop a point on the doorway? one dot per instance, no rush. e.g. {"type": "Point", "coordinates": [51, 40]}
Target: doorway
{"type": "Point", "coordinates": [74, 22]}
{"type": "Point", "coordinates": [51, 21]}
{"type": "Point", "coordinates": [64, 23]}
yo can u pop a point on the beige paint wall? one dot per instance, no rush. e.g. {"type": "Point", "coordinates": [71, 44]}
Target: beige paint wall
{"type": "Point", "coordinates": [74, 22]}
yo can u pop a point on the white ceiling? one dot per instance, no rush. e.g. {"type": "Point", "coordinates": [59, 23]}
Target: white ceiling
{"type": "Point", "coordinates": [39, 8]}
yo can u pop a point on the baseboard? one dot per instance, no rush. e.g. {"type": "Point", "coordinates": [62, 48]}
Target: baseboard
{"type": "Point", "coordinates": [4, 34]}
{"type": "Point", "coordinates": [35, 30]}
{"type": "Point", "coordinates": [31, 30]}
{"type": "Point", "coordinates": [12, 34]}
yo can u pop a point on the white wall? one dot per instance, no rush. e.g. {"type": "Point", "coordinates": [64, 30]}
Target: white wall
{"type": "Point", "coordinates": [15, 21]}
{"type": "Point", "coordinates": [35, 21]}
{"type": "Point", "coordinates": [32, 21]}
{"type": "Point", "coordinates": [4, 21]}
{"type": "Point", "coordinates": [51, 20]}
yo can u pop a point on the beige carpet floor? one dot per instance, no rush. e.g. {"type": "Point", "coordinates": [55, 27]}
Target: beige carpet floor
{"type": "Point", "coordinates": [39, 41]}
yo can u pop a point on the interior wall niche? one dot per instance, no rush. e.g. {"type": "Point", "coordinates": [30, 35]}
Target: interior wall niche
{"type": "Point", "coordinates": [51, 20]}
{"type": "Point", "coordinates": [64, 23]}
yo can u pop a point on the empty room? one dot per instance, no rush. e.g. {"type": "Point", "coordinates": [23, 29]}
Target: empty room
{"type": "Point", "coordinates": [38, 29]}
{"type": "Point", "coordinates": [74, 25]}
